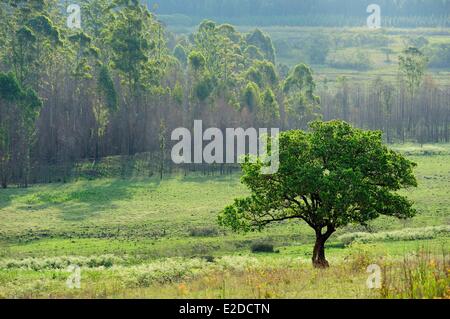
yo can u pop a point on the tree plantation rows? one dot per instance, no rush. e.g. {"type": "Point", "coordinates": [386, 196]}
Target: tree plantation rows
{"type": "Point", "coordinates": [122, 83]}
{"type": "Point", "coordinates": [396, 13]}
{"type": "Point", "coordinates": [421, 116]}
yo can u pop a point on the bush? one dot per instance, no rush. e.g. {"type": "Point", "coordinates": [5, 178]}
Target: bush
{"type": "Point", "coordinates": [439, 55]}
{"type": "Point", "coordinates": [262, 248]}
{"type": "Point", "coordinates": [54, 263]}
{"type": "Point", "coordinates": [360, 256]}
{"type": "Point", "coordinates": [397, 235]}
{"type": "Point", "coordinates": [203, 232]}
{"type": "Point", "coordinates": [163, 271]}
{"type": "Point", "coordinates": [356, 60]}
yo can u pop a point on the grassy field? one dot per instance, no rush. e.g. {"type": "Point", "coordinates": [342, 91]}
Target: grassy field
{"type": "Point", "coordinates": [395, 39]}
{"type": "Point", "coordinates": [142, 237]}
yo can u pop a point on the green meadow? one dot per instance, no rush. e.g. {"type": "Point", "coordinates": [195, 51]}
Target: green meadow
{"type": "Point", "coordinates": [145, 237]}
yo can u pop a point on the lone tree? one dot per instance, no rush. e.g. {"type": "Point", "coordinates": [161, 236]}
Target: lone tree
{"type": "Point", "coordinates": [328, 177]}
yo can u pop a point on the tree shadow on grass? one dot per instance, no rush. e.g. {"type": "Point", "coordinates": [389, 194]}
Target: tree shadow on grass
{"type": "Point", "coordinates": [95, 200]}
{"type": "Point", "coordinates": [7, 195]}
{"type": "Point", "coordinates": [76, 202]}
{"type": "Point", "coordinates": [83, 200]}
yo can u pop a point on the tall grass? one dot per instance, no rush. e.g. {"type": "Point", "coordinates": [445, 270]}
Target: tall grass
{"type": "Point", "coordinates": [420, 276]}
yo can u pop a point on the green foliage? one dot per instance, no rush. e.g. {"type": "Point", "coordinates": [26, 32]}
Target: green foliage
{"type": "Point", "coordinates": [263, 73]}
{"type": "Point", "coordinates": [106, 86]}
{"type": "Point", "coordinates": [312, 183]}
{"type": "Point", "coordinates": [197, 61]}
{"type": "Point", "coordinates": [62, 262]}
{"type": "Point", "coordinates": [136, 44]}
{"type": "Point", "coordinates": [357, 60]}
{"type": "Point", "coordinates": [204, 88]}
{"type": "Point", "coordinates": [19, 110]}
{"type": "Point", "coordinates": [301, 102]}
{"type": "Point", "coordinates": [254, 53]}
{"type": "Point", "coordinates": [178, 94]}
{"type": "Point", "coordinates": [422, 275]}
{"type": "Point", "coordinates": [42, 25]}
{"type": "Point", "coordinates": [10, 89]}
{"type": "Point", "coordinates": [300, 79]}
{"type": "Point", "coordinates": [261, 247]}
{"type": "Point", "coordinates": [28, 101]}
{"type": "Point", "coordinates": [439, 55]}
{"type": "Point", "coordinates": [263, 43]}
{"type": "Point", "coordinates": [269, 110]}
{"type": "Point", "coordinates": [180, 53]}
{"type": "Point", "coordinates": [251, 96]}
{"type": "Point", "coordinates": [203, 232]}
{"type": "Point", "coordinates": [412, 64]}
{"type": "Point", "coordinates": [317, 49]}
{"type": "Point", "coordinates": [398, 235]}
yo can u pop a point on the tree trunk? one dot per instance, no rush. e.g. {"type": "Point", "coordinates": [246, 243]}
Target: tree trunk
{"type": "Point", "coordinates": [318, 259]}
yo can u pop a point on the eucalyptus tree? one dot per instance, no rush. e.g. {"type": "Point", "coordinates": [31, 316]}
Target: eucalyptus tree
{"type": "Point", "coordinates": [258, 39]}
{"type": "Point", "coordinates": [268, 112]}
{"type": "Point", "coordinates": [32, 37]}
{"type": "Point", "coordinates": [412, 67]}
{"type": "Point", "coordinates": [138, 56]}
{"type": "Point", "coordinates": [19, 109]}
{"type": "Point", "coordinates": [263, 73]}
{"type": "Point", "coordinates": [251, 97]}
{"type": "Point", "coordinates": [301, 103]}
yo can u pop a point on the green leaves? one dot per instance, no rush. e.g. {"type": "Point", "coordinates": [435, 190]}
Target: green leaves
{"type": "Point", "coordinates": [10, 89]}
{"type": "Point", "coordinates": [43, 25]}
{"type": "Point", "coordinates": [106, 86]}
{"type": "Point", "coordinates": [204, 88]}
{"type": "Point", "coordinates": [197, 61]}
{"type": "Point", "coordinates": [136, 42]}
{"type": "Point", "coordinates": [412, 64]}
{"type": "Point", "coordinates": [251, 96]}
{"type": "Point", "coordinates": [301, 103]}
{"type": "Point", "coordinates": [263, 42]}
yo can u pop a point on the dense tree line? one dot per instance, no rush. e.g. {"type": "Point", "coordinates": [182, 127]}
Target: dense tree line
{"type": "Point", "coordinates": [122, 83]}
{"type": "Point", "coordinates": [115, 87]}
{"type": "Point", "coordinates": [404, 13]}
{"type": "Point", "coordinates": [232, 8]}
{"type": "Point", "coordinates": [382, 105]}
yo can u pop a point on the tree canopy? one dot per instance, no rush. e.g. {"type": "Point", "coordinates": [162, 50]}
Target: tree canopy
{"type": "Point", "coordinates": [329, 177]}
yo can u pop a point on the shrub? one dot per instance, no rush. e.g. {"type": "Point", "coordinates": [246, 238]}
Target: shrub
{"type": "Point", "coordinates": [397, 235]}
{"type": "Point", "coordinates": [165, 271]}
{"type": "Point", "coordinates": [262, 248]}
{"type": "Point", "coordinates": [355, 60]}
{"type": "Point", "coordinates": [238, 263]}
{"type": "Point", "coordinates": [203, 232]}
{"type": "Point", "coordinates": [61, 263]}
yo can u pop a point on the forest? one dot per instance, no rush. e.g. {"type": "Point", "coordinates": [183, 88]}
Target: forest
{"type": "Point", "coordinates": [232, 8]}
{"type": "Point", "coordinates": [122, 83]}
{"type": "Point", "coordinates": [396, 13]}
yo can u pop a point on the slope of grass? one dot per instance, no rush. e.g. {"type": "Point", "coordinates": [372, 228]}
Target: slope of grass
{"type": "Point", "coordinates": [146, 208]}
{"type": "Point", "coordinates": [114, 228]}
